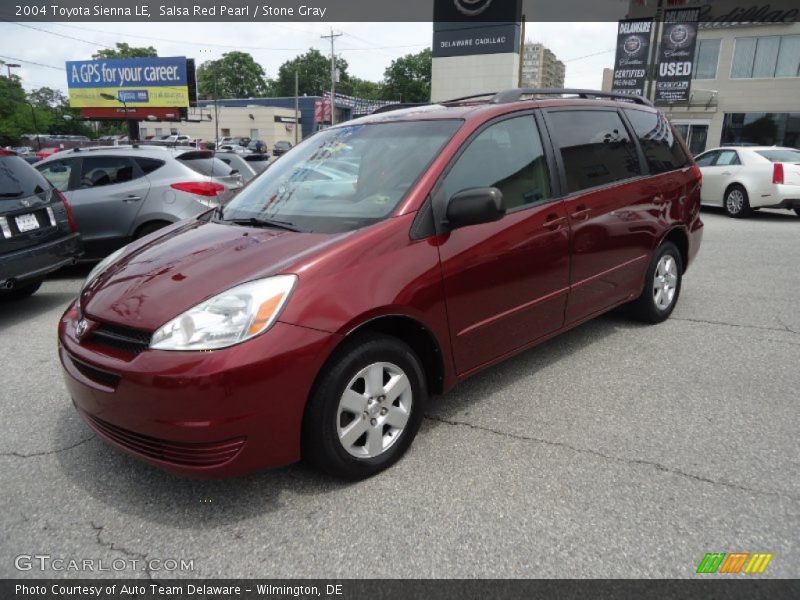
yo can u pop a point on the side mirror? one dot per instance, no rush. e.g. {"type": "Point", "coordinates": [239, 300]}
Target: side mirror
{"type": "Point", "coordinates": [474, 206]}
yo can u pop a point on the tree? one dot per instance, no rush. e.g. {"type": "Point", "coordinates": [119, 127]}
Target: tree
{"type": "Point", "coordinates": [409, 78]}
{"type": "Point", "coordinates": [314, 75]}
{"type": "Point", "coordinates": [46, 97]}
{"type": "Point", "coordinates": [361, 88]}
{"type": "Point", "coordinates": [123, 50]}
{"type": "Point", "coordinates": [235, 75]}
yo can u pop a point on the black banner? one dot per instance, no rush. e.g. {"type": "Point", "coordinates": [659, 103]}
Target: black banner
{"type": "Point", "coordinates": [676, 56]}
{"type": "Point", "coordinates": [633, 52]}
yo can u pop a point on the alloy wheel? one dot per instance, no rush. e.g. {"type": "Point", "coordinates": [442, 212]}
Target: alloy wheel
{"type": "Point", "coordinates": [665, 282]}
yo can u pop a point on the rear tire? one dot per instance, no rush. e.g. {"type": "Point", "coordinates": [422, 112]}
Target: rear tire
{"type": "Point", "coordinates": [365, 408]}
{"type": "Point", "coordinates": [662, 286]}
{"type": "Point", "coordinates": [21, 292]}
{"type": "Point", "coordinates": [736, 202]}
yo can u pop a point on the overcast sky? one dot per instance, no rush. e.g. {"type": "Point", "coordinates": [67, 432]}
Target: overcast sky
{"type": "Point", "coordinates": [367, 47]}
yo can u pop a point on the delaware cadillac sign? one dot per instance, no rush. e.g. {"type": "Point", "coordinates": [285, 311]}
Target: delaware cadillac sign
{"type": "Point", "coordinates": [466, 27]}
{"type": "Point", "coordinates": [676, 56]}
{"type": "Point", "coordinates": [633, 51]}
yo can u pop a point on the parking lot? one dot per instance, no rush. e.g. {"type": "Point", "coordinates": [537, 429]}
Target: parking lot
{"type": "Point", "coordinates": [615, 450]}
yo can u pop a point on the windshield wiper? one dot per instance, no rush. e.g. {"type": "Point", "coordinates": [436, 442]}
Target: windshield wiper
{"type": "Point", "coordinates": [11, 194]}
{"type": "Point", "coordinates": [258, 222]}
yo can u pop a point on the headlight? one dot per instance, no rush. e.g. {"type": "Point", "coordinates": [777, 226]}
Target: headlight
{"type": "Point", "coordinates": [234, 316]}
{"type": "Point", "coordinates": [102, 266]}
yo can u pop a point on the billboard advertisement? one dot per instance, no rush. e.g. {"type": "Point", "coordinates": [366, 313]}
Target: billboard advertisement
{"type": "Point", "coordinates": [633, 51]}
{"type": "Point", "coordinates": [131, 82]}
{"type": "Point", "coordinates": [676, 56]}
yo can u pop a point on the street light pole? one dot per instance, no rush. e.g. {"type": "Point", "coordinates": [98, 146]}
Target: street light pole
{"type": "Point", "coordinates": [333, 37]}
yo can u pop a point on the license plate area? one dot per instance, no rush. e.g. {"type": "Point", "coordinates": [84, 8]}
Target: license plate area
{"type": "Point", "coordinates": [27, 222]}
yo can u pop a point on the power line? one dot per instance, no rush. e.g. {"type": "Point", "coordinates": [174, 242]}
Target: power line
{"type": "Point", "coordinates": [589, 55]}
{"type": "Point", "coordinates": [61, 35]}
{"type": "Point", "coordinates": [30, 62]}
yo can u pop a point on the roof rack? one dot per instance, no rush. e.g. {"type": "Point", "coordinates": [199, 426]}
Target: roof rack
{"type": "Point", "coordinates": [398, 106]}
{"type": "Point", "coordinates": [514, 95]}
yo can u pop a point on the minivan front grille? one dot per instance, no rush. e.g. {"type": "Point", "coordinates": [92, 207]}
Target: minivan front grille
{"type": "Point", "coordinates": [132, 341]}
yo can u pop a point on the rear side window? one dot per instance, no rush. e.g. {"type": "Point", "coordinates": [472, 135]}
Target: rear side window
{"type": "Point", "coordinates": [18, 179]}
{"type": "Point", "coordinates": [148, 165]}
{"type": "Point", "coordinates": [595, 148]}
{"type": "Point", "coordinates": [97, 171]}
{"type": "Point", "coordinates": [781, 155]}
{"type": "Point", "coordinates": [728, 157]}
{"type": "Point", "coordinates": [660, 145]}
{"type": "Point", "coordinates": [507, 155]}
{"type": "Point", "coordinates": [207, 166]}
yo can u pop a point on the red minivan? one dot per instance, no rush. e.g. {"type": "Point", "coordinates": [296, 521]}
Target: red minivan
{"type": "Point", "coordinates": [379, 262]}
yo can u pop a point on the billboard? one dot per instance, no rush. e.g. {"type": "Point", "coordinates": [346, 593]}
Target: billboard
{"type": "Point", "coordinates": [633, 51]}
{"type": "Point", "coordinates": [468, 27]}
{"type": "Point", "coordinates": [676, 56]}
{"type": "Point", "coordinates": [132, 82]}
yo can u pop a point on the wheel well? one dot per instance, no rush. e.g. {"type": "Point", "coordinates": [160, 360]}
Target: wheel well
{"type": "Point", "coordinates": [418, 337]}
{"type": "Point", "coordinates": [143, 226]}
{"type": "Point", "coordinates": [678, 237]}
{"type": "Point", "coordinates": [733, 185]}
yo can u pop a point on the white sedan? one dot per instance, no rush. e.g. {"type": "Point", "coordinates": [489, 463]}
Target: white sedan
{"type": "Point", "coordinates": [743, 178]}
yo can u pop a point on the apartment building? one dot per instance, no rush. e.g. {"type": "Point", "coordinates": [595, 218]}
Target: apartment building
{"type": "Point", "coordinates": [541, 68]}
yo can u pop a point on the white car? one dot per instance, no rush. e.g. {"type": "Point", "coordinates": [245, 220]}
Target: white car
{"type": "Point", "coordinates": [743, 178]}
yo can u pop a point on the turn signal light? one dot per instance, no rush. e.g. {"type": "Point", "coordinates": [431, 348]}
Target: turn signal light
{"type": "Point", "coordinates": [777, 173]}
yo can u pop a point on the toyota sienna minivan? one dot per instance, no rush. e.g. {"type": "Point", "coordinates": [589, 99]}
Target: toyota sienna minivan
{"type": "Point", "coordinates": [377, 263]}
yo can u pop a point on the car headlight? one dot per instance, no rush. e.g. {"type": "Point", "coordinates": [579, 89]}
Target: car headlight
{"type": "Point", "coordinates": [229, 318]}
{"type": "Point", "coordinates": [102, 266]}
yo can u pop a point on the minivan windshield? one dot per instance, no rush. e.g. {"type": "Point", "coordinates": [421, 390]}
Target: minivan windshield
{"type": "Point", "coordinates": [342, 178]}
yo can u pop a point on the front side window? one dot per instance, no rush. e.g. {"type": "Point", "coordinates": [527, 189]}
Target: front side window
{"type": "Point", "coordinates": [507, 155]}
{"type": "Point", "coordinates": [57, 173]}
{"type": "Point", "coordinates": [343, 178]}
{"type": "Point", "coordinates": [595, 148]}
{"type": "Point", "coordinates": [661, 148]}
{"type": "Point", "coordinates": [97, 171]}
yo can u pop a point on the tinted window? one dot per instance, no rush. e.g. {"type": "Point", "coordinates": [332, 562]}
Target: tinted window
{"type": "Point", "coordinates": [707, 159]}
{"type": "Point", "coordinates": [148, 165]}
{"type": "Point", "coordinates": [780, 155]}
{"type": "Point", "coordinates": [595, 148]}
{"type": "Point", "coordinates": [207, 166]}
{"type": "Point", "coordinates": [97, 171]}
{"type": "Point", "coordinates": [661, 147]}
{"type": "Point", "coordinates": [18, 179]}
{"type": "Point", "coordinates": [728, 157]}
{"type": "Point", "coordinates": [507, 155]}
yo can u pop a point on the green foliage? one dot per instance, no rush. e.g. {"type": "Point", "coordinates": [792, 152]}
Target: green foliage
{"type": "Point", "coordinates": [235, 75]}
{"type": "Point", "coordinates": [360, 88]}
{"type": "Point", "coordinates": [409, 78]}
{"type": "Point", "coordinates": [123, 50]}
{"type": "Point", "coordinates": [314, 75]}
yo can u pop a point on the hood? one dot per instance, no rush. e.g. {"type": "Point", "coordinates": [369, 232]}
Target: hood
{"type": "Point", "coordinates": [158, 280]}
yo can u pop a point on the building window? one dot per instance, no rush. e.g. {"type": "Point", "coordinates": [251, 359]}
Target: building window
{"type": "Point", "coordinates": [706, 59]}
{"type": "Point", "coordinates": [766, 57]}
{"type": "Point", "coordinates": [254, 134]}
{"type": "Point", "coordinates": [764, 129]}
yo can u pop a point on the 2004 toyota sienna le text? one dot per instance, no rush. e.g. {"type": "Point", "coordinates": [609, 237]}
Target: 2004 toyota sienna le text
{"type": "Point", "coordinates": [377, 263]}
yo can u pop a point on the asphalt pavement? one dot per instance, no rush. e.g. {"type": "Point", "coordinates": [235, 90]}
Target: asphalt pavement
{"type": "Point", "coordinates": [614, 450]}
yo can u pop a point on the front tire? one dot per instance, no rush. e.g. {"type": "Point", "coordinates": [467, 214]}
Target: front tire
{"type": "Point", "coordinates": [365, 408]}
{"type": "Point", "coordinates": [737, 203]}
{"type": "Point", "coordinates": [662, 285]}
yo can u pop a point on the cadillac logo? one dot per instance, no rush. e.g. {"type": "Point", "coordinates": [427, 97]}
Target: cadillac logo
{"type": "Point", "coordinates": [472, 8]}
{"type": "Point", "coordinates": [632, 45]}
{"type": "Point", "coordinates": [679, 35]}
{"type": "Point", "coordinates": [80, 328]}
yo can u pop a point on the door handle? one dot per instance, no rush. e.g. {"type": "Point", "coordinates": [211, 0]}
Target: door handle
{"type": "Point", "coordinates": [553, 221]}
{"type": "Point", "coordinates": [726, 172]}
{"type": "Point", "coordinates": [581, 213]}
{"type": "Point", "coordinates": [131, 198]}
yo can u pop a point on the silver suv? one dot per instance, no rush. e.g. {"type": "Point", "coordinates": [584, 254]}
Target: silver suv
{"type": "Point", "coordinates": [121, 193]}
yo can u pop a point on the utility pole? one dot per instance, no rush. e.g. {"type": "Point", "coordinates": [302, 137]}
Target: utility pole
{"type": "Point", "coordinates": [333, 37]}
{"type": "Point", "coordinates": [296, 106]}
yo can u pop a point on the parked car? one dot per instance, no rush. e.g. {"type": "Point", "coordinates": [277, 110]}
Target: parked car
{"type": "Point", "coordinates": [281, 148]}
{"type": "Point", "coordinates": [257, 161]}
{"type": "Point", "coordinates": [37, 230]}
{"type": "Point", "coordinates": [303, 321]}
{"type": "Point", "coordinates": [46, 152]}
{"type": "Point", "coordinates": [122, 193]}
{"type": "Point", "coordinates": [237, 162]}
{"type": "Point", "coordinates": [741, 179]}
{"type": "Point", "coordinates": [233, 148]}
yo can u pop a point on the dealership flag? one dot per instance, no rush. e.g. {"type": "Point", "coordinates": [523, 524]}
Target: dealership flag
{"type": "Point", "coordinates": [676, 56]}
{"type": "Point", "coordinates": [630, 64]}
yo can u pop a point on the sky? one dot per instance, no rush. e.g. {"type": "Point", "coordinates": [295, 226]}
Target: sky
{"type": "Point", "coordinates": [585, 48]}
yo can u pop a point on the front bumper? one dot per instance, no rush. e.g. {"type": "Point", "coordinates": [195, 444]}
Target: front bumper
{"type": "Point", "coordinates": [203, 414]}
{"type": "Point", "coordinates": [37, 261]}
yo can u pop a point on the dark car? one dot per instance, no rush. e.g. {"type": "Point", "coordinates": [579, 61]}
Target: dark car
{"type": "Point", "coordinates": [281, 148]}
{"type": "Point", "coordinates": [37, 229]}
{"type": "Point", "coordinates": [314, 315]}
